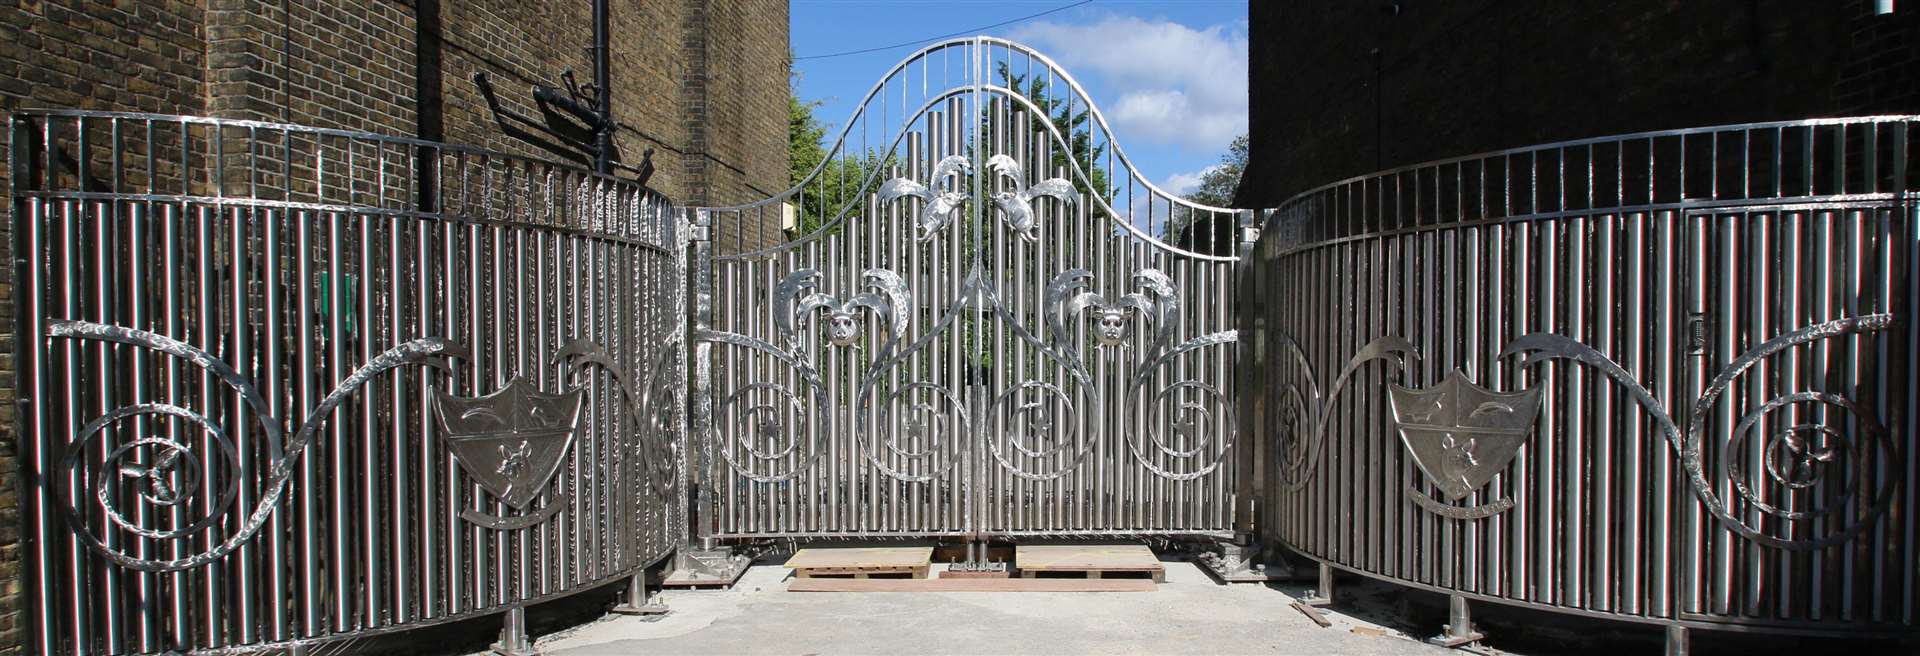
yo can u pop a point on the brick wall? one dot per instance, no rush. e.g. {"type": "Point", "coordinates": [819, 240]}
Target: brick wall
{"type": "Point", "coordinates": [715, 116]}
{"type": "Point", "coordinates": [1342, 88]}
{"type": "Point", "coordinates": [142, 56]}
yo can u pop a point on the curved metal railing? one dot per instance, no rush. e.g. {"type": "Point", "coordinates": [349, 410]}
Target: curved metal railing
{"type": "Point", "coordinates": [1660, 377]}
{"type": "Point", "coordinates": [920, 100]}
{"type": "Point", "coordinates": [295, 385]}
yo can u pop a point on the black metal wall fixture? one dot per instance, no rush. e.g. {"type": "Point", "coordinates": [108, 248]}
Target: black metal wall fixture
{"type": "Point", "coordinates": [1665, 377]}
{"type": "Point", "coordinates": [576, 121]}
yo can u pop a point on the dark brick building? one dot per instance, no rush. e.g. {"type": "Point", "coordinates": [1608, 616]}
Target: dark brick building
{"type": "Point", "coordinates": [701, 82]}
{"type": "Point", "coordinates": [1341, 88]}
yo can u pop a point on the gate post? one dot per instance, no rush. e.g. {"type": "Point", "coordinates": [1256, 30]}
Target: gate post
{"type": "Point", "coordinates": [1241, 560]}
{"type": "Point", "coordinates": [697, 562]}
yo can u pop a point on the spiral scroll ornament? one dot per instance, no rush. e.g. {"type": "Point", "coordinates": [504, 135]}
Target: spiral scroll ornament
{"type": "Point", "coordinates": [1039, 437]}
{"type": "Point", "coordinates": [159, 486]}
{"type": "Point", "coordinates": [921, 429]}
{"type": "Point", "coordinates": [1808, 446]}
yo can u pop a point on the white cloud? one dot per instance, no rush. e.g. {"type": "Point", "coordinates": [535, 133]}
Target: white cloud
{"type": "Point", "coordinates": [1180, 184]}
{"type": "Point", "coordinates": [1169, 83]}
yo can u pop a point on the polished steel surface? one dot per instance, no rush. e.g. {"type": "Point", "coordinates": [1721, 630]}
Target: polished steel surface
{"type": "Point", "coordinates": [1663, 377]}
{"type": "Point", "coordinates": [297, 387]}
{"type": "Point", "coordinates": [984, 329]}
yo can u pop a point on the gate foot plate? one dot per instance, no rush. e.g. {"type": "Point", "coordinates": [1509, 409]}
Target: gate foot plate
{"type": "Point", "coordinates": [718, 568]}
{"type": "Point", "coordinates": [1234, 563]}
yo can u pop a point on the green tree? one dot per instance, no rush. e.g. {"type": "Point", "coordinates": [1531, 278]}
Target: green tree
{"type": "Point", "coordinates": [1218, 183]}
{"type": "Point", "coordinates": [1073, 126]}
{"type": "Point", "coordinates": [1211, 232]}
{"type": "Point", "coordinates": [838, 185]}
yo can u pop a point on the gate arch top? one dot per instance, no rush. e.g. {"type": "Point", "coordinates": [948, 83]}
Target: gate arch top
{"type": "Point", "coordinates": [968, 75]}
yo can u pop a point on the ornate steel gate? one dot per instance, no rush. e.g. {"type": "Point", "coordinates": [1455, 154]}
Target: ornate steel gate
{"type": "Point", "coordinates": [1665, 377]}
{"type": "Point", "coordinates": [985, 322]}
{"type": "Point", "coordinates": [293, 385]}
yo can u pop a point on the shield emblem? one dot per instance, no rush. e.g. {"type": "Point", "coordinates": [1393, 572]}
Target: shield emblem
{"type": "Point", "coordinates": [1461, 434]}
{"type": "Point", "coordinates": [511, 441]}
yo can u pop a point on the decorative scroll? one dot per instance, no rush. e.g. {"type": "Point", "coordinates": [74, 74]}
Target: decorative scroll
{"type": "Point", "coordinates": [917, 427]}
{"type": "Point", "coordinates": [762, 409]}
{"type": "Point", "coordinates": [1304, 414]}
{"type": "Point", "coordinates": [943, 201]}
{"type": "Point", "coordinates": [1461, 435]}
{"type": "Point", "coordinates": [1797, 458]}
{"type": "Point", "coordinates": [944, 198]}
{"type": "Point", "coordinates": [168, 473]}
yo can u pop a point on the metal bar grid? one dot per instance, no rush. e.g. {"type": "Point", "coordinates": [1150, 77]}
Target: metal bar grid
{"type": "Point", "coordinates": [1662, 377]}
{"type": "Point", "coordinates": [983, 321]}
{"type": "Point", "coordinates": [241, 341]}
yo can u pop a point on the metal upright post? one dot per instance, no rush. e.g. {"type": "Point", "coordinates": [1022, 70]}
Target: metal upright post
{"type": "Point", "coordinates": [1241, 560]}
{"type": "Point", "coordinates": [700, 563]}
{"type": "Point", "coordinates": [638, 601]}
{"type": "Point", "coordinates": [1318, 597]}
{"type": "Point", "coordinates": [1459, 629]}
{"type": "Point", "coordinates": [513, 634]}
{"type": "Point", "coordinates": [1679, 643]}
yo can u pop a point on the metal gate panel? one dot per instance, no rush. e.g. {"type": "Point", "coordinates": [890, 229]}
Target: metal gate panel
{"type": "Point", "coordinates": [1682, 367]}
{"type": "Point", "coordinates": [976, 328]}
{"type": "Point", "coordinates": [295, 385]}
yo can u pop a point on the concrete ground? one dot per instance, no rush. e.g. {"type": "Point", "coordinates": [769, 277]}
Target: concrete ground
{"type": "Point", "coordinates": [1189, 614]}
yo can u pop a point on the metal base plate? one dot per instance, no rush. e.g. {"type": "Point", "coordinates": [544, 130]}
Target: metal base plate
{"type": "Point", "coordinates": [654, 608]}
{"type": "Point", "coordinates": [1450, 641]}
{"type": "Point", "coordinates": [1238, 564]}
{"type": "Point", "coordinates": [503, 649]}
{"type": "Point", "coordinates": [703, 569]}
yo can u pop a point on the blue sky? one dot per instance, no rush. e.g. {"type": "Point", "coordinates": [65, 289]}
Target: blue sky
{"type": "Point", "coordinates": [1170, 75]}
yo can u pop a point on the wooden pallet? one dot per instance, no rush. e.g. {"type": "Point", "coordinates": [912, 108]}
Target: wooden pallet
{"type": "Point", "coordinates": [971, 585]}
{"type": "Point", "coordinates": [1091, 561]}
{"type": "Point", "coordinates": [861, 562]}
{"type": "Point", "coordinates": [975, 574]}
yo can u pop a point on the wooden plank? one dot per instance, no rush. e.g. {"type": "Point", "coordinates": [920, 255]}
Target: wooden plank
{"type": "Point", "coordinates": [860, 557]}
{"type": "Point", "coordinates": [1155, 575]}
{"type": "Point", "coordinates": [971, 585]}
{"type": "Point", "coordinates": [1085, 557]}
{"type": "Point", "coordinates": [861, 572]}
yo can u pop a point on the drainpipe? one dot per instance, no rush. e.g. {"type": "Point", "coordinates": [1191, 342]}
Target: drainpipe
{"type": "Point", "coordinates": [602, 91]}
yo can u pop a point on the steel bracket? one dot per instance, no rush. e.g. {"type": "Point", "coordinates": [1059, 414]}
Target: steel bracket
{"type": "Point", "coordinates": [707, 567]}
{"type": "Point", "coordinates": [1459, 631]}
{"type": "Point", "coordinates": [1245, 560]}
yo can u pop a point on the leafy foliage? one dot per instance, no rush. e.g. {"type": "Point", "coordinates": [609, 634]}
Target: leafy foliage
{"type": "Point", "coordinates": [1218, 183]}
{"type": "Point", "coordinates": [838, 185]}
{"type": "Point", "coordinates": [1070, 124]}
{"type": "Point", "coordinates": [1214, 233]}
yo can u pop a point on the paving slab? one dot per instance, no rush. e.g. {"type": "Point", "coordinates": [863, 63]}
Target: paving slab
{"type": "Point", "coordinates": [1189, 614]}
